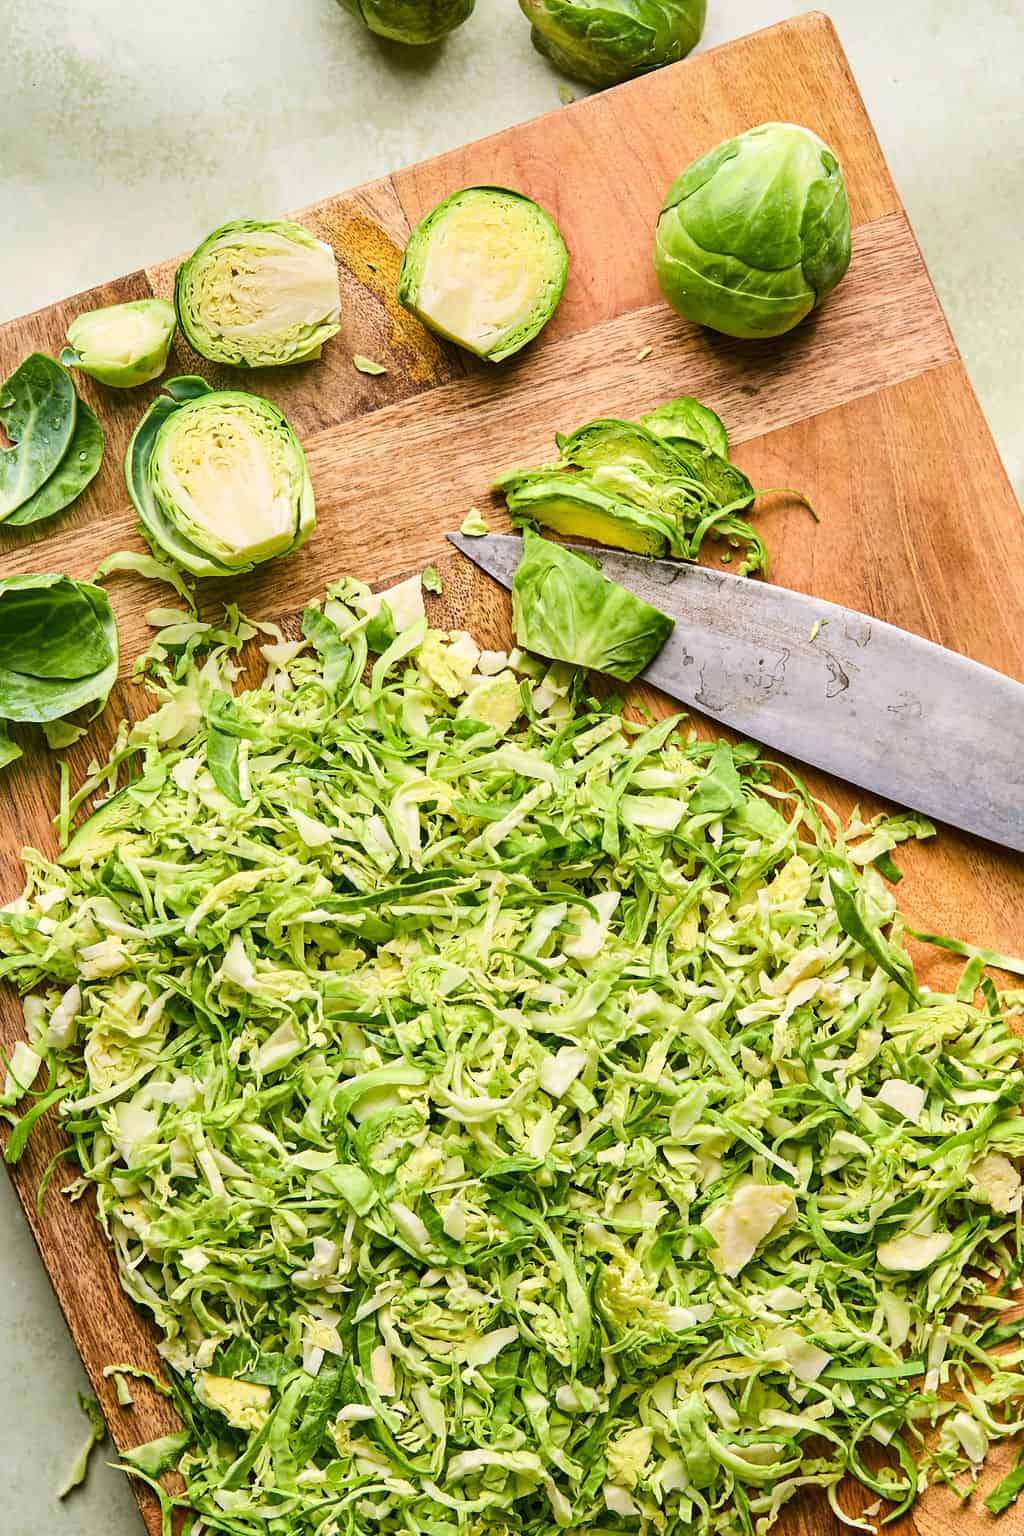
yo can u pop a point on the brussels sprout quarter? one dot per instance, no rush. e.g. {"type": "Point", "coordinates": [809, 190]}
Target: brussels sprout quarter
{"type": "Point", "coordinates": [122, 345]}
{"type": "Point", "coordinates": [605, 41]}
{"type": "Point", "coordinates": [218, 479]}
{"type": "Point", "coordinates": [756, 233]}
{"type": "Point", "coordinates": [411, 21]}
{"type": "Point", "coordinates": [486, 269]}
{"type": "Point", "coordinates": [255, 295]}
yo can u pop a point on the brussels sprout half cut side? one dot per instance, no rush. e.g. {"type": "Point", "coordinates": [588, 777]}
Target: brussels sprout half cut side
{"type": "Point", "coordinates": [122, 345]}
{"type": "Point", "coordinates": [605, 41]}
{"type": "Point", "coordinates": [256, 295]}
{"type": "Point", "coordinates": [411, 21]}
{"type": "Point", "coordinates": [756, 233]}
{"type": "Point", "coordinates": [219, 479]}
{"type": "Point", "coordinates": [486, 269]}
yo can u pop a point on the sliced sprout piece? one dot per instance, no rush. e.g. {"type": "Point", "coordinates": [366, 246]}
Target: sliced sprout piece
{"type": "Point", "coordinates": [486, 268]}
{"type": "Point", "coordinates": [122, 345]}
{"type": "Point", "coordinates": [256, 294]}
{"type": "Point", "coordinates": [605, 41]}
{"type": "Point", "coordinates": [639, 486]}
{"type": "Point", "coordinates": [566, 609]}
{"type": "Point", "coordinates": [219, 479]}
{"type": "Point", "coordinates": [690, 420]}
{"type": "Point", "coordinates": [756, 233]}
{"type": "Point", "coordinates": [418, 22]}
{"type": "Point", "coordinates": [411, 1139]}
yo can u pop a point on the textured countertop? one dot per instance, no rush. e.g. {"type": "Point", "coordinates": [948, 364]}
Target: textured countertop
{"type": "Point", "coordinates": [130, 132]}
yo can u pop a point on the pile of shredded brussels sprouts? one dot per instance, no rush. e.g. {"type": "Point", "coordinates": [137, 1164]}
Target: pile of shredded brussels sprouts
{"type": "Point", "coordinates": [515, 1116]}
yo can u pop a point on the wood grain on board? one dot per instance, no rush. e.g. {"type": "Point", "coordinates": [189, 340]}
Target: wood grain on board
{"type": "Point", "coordinates": [866, 408]}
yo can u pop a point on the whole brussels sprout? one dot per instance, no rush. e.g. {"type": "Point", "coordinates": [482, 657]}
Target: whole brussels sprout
{"type": "Point", "coordinates": [411, 21]}
{"type": "Point", "coordinates": [756, 233]}
{"type": "Point", "coordinates": [605, 41]}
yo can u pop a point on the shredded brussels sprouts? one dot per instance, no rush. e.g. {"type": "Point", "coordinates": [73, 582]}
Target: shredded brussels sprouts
{"type": "Point", "coordinates": [514, 1116]}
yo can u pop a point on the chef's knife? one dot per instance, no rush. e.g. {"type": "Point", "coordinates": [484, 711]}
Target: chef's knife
{"type": "Point", "coordinates": [872, 704]}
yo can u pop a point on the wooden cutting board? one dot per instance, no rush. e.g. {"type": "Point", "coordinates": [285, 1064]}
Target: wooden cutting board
{"type": "Point", "coordinates": [866, 408]}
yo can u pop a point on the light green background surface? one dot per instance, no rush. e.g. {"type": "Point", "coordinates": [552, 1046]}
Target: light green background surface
{"type": "Point", "coordinates": [129, 129]}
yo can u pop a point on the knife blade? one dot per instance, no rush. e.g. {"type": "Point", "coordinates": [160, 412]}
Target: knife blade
{"type": "Point", "coordinates": [875, 705]}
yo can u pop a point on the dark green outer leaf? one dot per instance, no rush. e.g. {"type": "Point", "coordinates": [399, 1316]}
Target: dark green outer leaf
{"type": "Point", "coordinates": [687, 418]}
{"type": "Point", "coordinates": [79, 465]}
{"type": "Point", "coordinates": [66, 633]}
{"type": "Point", "coordinates": [37, 408]}
{"type": "Point", "coordinates": [564, 609]}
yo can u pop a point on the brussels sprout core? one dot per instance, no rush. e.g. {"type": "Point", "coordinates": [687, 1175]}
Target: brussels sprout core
{"type": "Point", "coordinates": [605, 41]}
{"type": "Point", "coordinates": [486, 269]}
{"type": "Point", "coordinates": [256, 295]}
{"type": "Point", "coordinates": [219, 479]}
{"type": "Point", "coordinates": [755, 233]}
{"type": "Point", "coordinates": [122, 345]}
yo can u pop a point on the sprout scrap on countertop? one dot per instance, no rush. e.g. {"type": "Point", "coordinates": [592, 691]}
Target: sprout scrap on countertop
{"type": "Point", "coordinates": [486, 268]}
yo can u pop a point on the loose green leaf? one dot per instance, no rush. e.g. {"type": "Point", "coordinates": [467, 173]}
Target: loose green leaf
{"type": "Point", "coordinates": [38, 411]}
{"type": "Point", "coordinates": [565, 609]}
{"type": "Point", "coordinates": [158, 1456]}
{"type": "Point", "coordinates": [148, 567]}
{"type": "Point", "coordinates": [79, 466]}
{"type": "Point", "coordinates": [367, 365]}
{"type": "Point", "coordinates": [58, 647]}
{"type": "Point", "coordinates": [432, 581]}
{"type": "Point", "coordinates": [97, 1434]}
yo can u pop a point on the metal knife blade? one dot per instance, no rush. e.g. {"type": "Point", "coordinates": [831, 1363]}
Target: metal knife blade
{"type": "Point", "coordinates": [872, 704]}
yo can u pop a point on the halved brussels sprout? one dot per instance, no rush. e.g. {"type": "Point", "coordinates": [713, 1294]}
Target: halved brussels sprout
{"type": "Point", "coordinates": [122, 345]}
{"type": "Point", "coordinates": [219, 479]}
{"type": "Point", "coordinates": [572, 504]}
{"type": "Point", "coordinates": [605, 41]}
{"type": "Point", "coordinates": [485, 268]}
{"type": "Point", "coordinates": [258, 294]}
{"type": "Point", "coordinates": [755, 233]}
{"type": "Point", "coordinates": [411, 21]}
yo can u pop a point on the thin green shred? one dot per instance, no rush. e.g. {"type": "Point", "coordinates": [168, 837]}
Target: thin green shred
{"type": "Point", "coordinates": [513, 1116]}
{"type": "Point", "coordinates": [97, 1434]}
